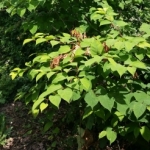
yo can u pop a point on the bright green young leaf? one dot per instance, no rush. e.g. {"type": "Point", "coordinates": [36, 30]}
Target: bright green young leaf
{"type": "Point", "coordinates": [34, 29]}
{"type": "Point", "coordinates": [79, 52]}
{"type": "Point", "coordinates": [43, 106]}
{"type": "Point", "coordinates": [40, 40]}
{"type": "Point", "coordinates": [13, 75]}
{"type": "Point", "coordinates": [106, 102]}
{"type": "Point", "coordinates": [64, 49]}
{"type": "Point", "coordinates": [27, 41]}
{"type": "Point", "coordinates": [121, 69]}
{"type": "Point", "coordinates": [104, 22]}
{"type": "Point", "coordinates": [87, 85]}
{"type": "Point", "coordinates": [55, 100]}
{"type": "Point", "coordinates": [119, 115]}
{"type": "Point", "coordinates": [119, 45]}
{"type": "Point", "coordinates": [111, 136]}
{"type": "Point", "coordinates": [37, 103]}
{"type": "Point", "coordinates": [139, 109]}
{"type": "Point", "coordinates": [52, 88]}
{"type": "Point", "coordinates": [132, 70]}
{"type": "Point", "coordinates": [66, 94]}
{"type": "Point", "coordinates": [50, 74]}
{"type": "Point", "coordinates": [112, 62]}
{"type": "Point", "coordinates": [53, 43]}
{"type": "Point", "coordinates": [59, 77]}
{"type": "Point", "coordinates": [145, 27]}
{"type": "Point", "coordinates": [129, 45]}
{"type": "Point", "coordinates": [102, 134]}
{"type": "Point", "coordinates": [91, 99]}
{"type": "Point", "coordinates": [145, 132]}
{"type": "Point", "coordinates": [35, 112]}
{"type": "Point", "coordinates": [96, 48]}
{"type": "Point", "coordinates": [120, 23]}
{"type": "Point", "coordinates": [86, 42]}
{"type": "Point", "coordinates": [32, 73]}
{"type": "Point", "coordinates": [40, 75]}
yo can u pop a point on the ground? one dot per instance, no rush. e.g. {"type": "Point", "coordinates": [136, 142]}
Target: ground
{"type": "Point", "coordinates": [27, 132]}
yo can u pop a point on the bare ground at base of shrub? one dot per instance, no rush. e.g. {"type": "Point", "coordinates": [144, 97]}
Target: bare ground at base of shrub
{"type": "Point", "coordinates": [26, 133]}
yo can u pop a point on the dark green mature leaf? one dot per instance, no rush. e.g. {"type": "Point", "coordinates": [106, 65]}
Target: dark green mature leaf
{"type": "Point", "coordinates": [136, 132]}
{"type": "Point", "coordinates": [91, 99]}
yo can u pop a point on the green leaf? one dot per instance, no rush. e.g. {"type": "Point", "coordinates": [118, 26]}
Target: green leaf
{"type": "Point", "coordinates": [64, 49]}
{"type": "Point", "coordinates": [145, 132]}
{"type": "Point", "coordinates": [66, 94]}
{"type": "Point", "coordinates": [59, 77]}
{"type": "Point", "coordinates": [27, 41]}
{"type": "Point", "coordinates": [76, 95]}
{"type": "Point", "coordinates": [96, 48]}
{"type": "Point", "coordinates": [102, 134]}
{"type": "Point", "coordinates": [50, 74]}
{"type": "Point", "coordinates": [55, 100]}
{"type": "Point", "coordinates": [86, 84]}
{"type": "Point", "coordinates": [32, 73]}
{"type": "Point", "coordinates": [106, 102]}
{"type": "Point", "coordinates": [120, 23]}
{"type": "Point", "coordinates": [88, 111]}
{"type": "Point", "coordinates": [34, 29]}
{"type": "Point", "coordinates": [79, 52]}
{"type": "Point", "coordinates": [53, 43]}
{"type": "Point", "coordinates": [132, 70]}
{"type": "Point", "coordinates": [40, 75]}
{"type": "Point", "coordinates": [114, 122]}
{"type": "Point", "coordinates": [139, 109]}
{"type": "Point", "coordinates": [47, 126]}
{"type": "Point", "coordinates": [104, 22]}
{"type": "Point", "coordinates": [100, 113]}
{"type": "Point", "coordinates": [129, 45]}
{"type": "Point", "coordinates": [91, 99]}
{"type": "Point", "coordinates": [121, 69]}
{"type": "Point", "coordinates": [111, 136]}
{"type": "Point", "coordinates": [13, 75]}
{"type": "Point", "coordinates": [86, 42]}
{"type": "Point", "coordinates": [21, 11]}
{"type": "Point", "coordinates": [112, 62]}
{"type": "Point", "coordinates": [52, 88]}
{"type": "Point", "coordinates": [37, 103]}
{"type": "Point", "coordinates": [145, 27]}
{"type": "Point", "coordinates": [40, 40]}
{"type": "Point", "coordinates": [119, 115]}
{"type": "Point", "coordinates": [43, 106]}
{"type": "Point", "coordinates": [136, 132]}
{"type": "Point", "coordinates": [35, 112]}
